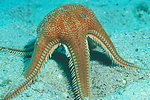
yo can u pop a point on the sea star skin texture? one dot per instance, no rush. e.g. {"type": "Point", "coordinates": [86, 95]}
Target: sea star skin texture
{"type": "Point", "coordinates": [70, 25]}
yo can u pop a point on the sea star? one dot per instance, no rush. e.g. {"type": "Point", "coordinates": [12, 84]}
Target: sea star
{"type": "Point", "coordinates": [71, 25]}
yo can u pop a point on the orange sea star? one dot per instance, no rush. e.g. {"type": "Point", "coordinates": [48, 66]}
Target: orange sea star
{"type": "Point", "coordinates": [71, 25]}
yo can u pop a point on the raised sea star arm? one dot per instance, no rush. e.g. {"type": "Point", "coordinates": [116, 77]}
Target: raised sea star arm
{"type": "Point", "coordinates": [100, 37]}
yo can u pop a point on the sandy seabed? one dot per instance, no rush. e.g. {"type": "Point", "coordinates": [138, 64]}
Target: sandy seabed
{"type": "Point", "coordinates": [127, 22]}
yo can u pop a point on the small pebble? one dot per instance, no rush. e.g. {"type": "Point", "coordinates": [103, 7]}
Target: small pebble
{"type": "Point", "coordinates": [28, 94]}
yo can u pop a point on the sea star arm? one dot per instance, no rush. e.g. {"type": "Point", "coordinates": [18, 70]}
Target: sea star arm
{"type": "Point", "coordinates": [79, 67]}
{"type": "Point", "coordinates": [27, 50]}
{"type": "Point", "coordinates": [42, 49]}
{"type": "Point", "coordinates": [17, 51]}
{"type": "Point", "coordinates": [100, 37]}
